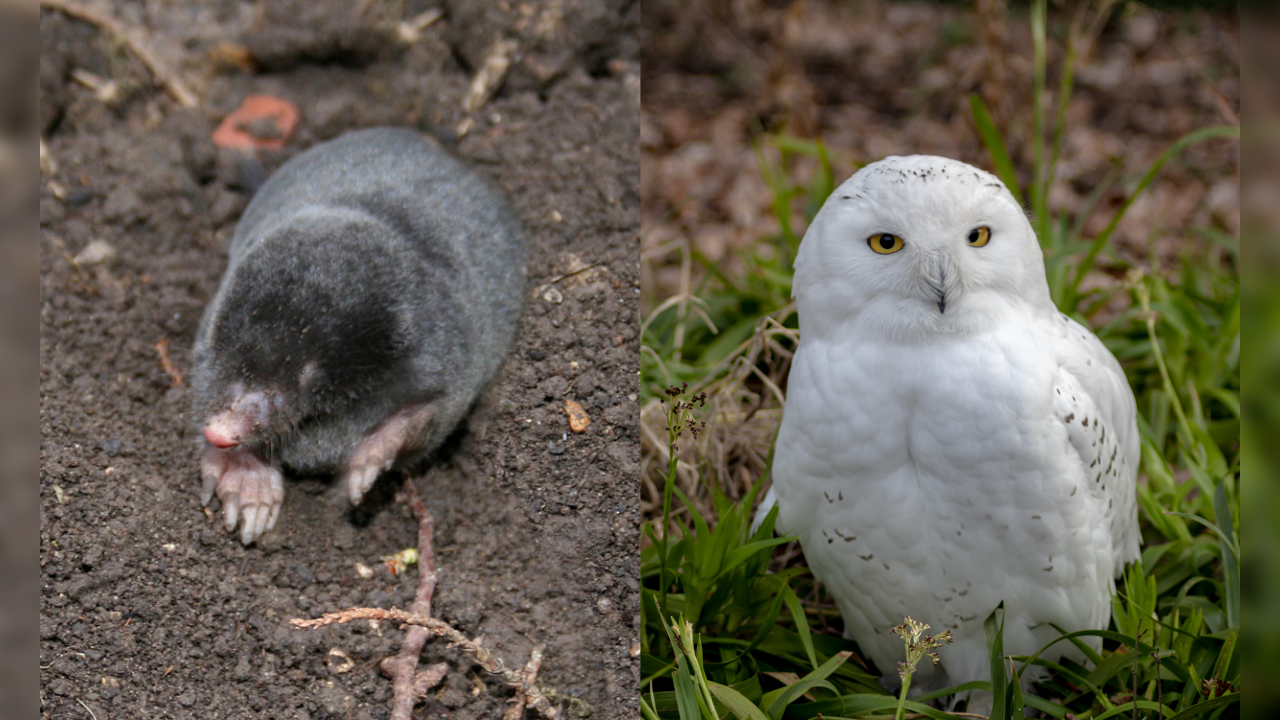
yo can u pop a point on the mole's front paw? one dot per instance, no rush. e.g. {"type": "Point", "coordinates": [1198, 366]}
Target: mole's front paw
{"type": "Point", "coordinates": [250, 490]}
{"type": "Point", "coordinates": [377, 452]}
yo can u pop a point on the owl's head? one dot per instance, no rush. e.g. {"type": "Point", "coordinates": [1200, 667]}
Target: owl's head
{"type": "Point", "coordinates": [916, 246]}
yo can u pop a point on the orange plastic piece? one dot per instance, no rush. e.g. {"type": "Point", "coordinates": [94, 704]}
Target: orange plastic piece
{"type": "Point", "coordinates": [261, 121]}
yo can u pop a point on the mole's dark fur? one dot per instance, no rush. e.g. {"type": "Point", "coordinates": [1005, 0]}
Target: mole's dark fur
{"type": "Point", "coordinates": [370, 273]}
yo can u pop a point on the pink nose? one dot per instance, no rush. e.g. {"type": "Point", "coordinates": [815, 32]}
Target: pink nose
{"type": "Point", "coordinates": [218, 437]}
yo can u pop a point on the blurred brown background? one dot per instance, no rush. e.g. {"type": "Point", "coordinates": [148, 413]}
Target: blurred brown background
{"type": "Point", "coordinates": [879, 78]}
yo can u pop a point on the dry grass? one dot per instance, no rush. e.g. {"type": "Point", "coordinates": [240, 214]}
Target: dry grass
{"type": "Point", "coordinates": [745, 395]}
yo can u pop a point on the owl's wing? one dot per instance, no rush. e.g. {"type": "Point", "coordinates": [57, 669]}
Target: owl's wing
{"type": "Point", "coordinates": [1093, 400]}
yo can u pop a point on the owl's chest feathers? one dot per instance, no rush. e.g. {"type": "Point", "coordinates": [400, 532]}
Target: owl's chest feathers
{"type": "Point", "coordinates": [963, 403]}
{"type": "Point", "coordinates": [895, 463]}
{"type": "Point", "coordinates": [954, 431]}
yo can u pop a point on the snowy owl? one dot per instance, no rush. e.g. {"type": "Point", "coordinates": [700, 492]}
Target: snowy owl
{"type": "Point", "coordinates": [950, 440]}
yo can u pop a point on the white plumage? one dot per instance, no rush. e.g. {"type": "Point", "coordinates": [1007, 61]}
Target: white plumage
{"type": "Point", "coordinates": [950, 440]}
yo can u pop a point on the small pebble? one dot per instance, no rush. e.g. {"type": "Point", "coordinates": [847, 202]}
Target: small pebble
{"type": "Point", "coordinates": [96, 253]}
{"type": "Point", "coordinates": [79, 197]}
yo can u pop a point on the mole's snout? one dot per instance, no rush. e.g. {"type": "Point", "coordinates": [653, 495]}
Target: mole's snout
{"type": "Point", "coordinates": [231, 427]}
{"type": "Point", "coordinates": [218, 436]}
{"type": "Point", "coordinates": [227, 429]}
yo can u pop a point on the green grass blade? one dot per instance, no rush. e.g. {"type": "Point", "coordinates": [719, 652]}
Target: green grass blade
{"type": "Point", "coordinates": [1065, 84]}
{"type": "Point", "coordinates": [955, 689]}
{"type": "Point", "coordinates": [1120, 710]}
{"type": "Point", "coordinates": [1206, 706]}
{"type": "Point", "coordinates": [766, 627]}
{"type": "Point", "coordinates": [995, 145]}
{"type": "Point", "coordinates": [1226, 543]}
{"type": "Point", "coordinates": [739, 555]}
{"type": "Point", "coordinates": [686, 695]}
{"type": "Point", "coordinates": [1076, 678]}
{"type": "Point", "coordinates": [802, 624]}
{"type": "Point", "coordinates": [647, 712]}
{"type": "Point", "coordinates": [1230, 562]}
{"type": "Point", "coordinates": [995, 649]}
{"type": "Point", "coordinates": [860, 704]}
{"type": "Point", "coordinates": [1224, 657]}
{"type": "Point", "coordinates": [1017, 704]}
{"type": "Point", "coordinates": [1052, 710]}
{"type": "Point", "coordinates": [739, 705]}
{"type": "Point", "coordinates": [686, 691]}
{"type": "Point", "coordinates": [804, 684]}
{"type": "Point", "coordinates": [1039, 192]}
{"type": "Point", "coordinates": [930, 712]}
{"type": "Point", "coordinates": [1219, 131]}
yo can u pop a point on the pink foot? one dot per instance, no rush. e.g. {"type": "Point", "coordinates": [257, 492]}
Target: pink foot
{"type": "Point", "coordinates": [250, 490]}
{"type": "Point", "coordinates": [378, 452]}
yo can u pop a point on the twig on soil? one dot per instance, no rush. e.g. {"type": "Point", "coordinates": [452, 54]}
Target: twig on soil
{"type": "Point", "coordinates": [492, 72]}
{"type": "Point", "coordinates": [162, 348]}
{"type": "Point", "coordinates": [48, 165]}
{"type": "Point", "coordinates": [407, 684]}
{"type": "Point", "coordinates": [534, 697]}
{"type": "Point", "coordinates": [410, 31]}
{"type": "Point", "coordinates": [562, 276]}
{"type": "Point", "coordinates": [529, 677]}
{"type": "Point", "coordinates": [129, 37]}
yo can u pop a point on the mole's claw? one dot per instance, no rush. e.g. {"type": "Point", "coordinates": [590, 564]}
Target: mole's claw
{"type": "Point", "coordinates": [251, 491]}
{"type": "Point", "coordinates": [249, 530]}
{"type": "Point", "coordinates": [206, 489]}
{"type": "Point", "coordinates": [230, 511]}
{"type": "Point", "coordinates": [359, 480]}
{"type": "Point", "coordinates": [212, 467]}
{"type": "Point", "coordinates": [271, 519]}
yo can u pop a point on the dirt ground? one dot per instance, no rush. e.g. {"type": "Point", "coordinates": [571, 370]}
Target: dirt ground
{"type": "Point", "coordinates": [149, 609]}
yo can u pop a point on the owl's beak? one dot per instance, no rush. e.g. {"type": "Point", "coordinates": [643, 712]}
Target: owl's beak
{"type": "Point", "coordinates": [941, 288]}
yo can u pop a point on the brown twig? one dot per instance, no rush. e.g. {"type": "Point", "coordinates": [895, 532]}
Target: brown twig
{"type": "Point", "coordinates": [534, 697]}
{"type": "Point", "coordinates": [162, 348]}
{"type": "Point", "coordinates": [125, 34]}
{"type": "Point", "coordinates": [529, 678]}
{"type": "Point", "coordinates": [407, 684]}
{"type": "Point", "coordinates": [492, 72]}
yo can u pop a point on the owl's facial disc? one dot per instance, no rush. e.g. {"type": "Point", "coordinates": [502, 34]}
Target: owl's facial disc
{"type": "Point", "coordinates": [916, 247]}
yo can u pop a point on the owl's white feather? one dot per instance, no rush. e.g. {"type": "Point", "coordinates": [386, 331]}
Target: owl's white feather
{"type": "Point", "coordinates": [950, 440]}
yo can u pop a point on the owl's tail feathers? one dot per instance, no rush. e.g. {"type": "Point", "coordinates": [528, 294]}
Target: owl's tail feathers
{"type": "Point", "coordinates": [770, 500]}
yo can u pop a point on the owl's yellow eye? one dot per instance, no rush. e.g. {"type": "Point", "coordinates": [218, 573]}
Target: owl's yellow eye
{"type": "Point", "coordinates": [885, 243]}
{"type": "Point", "coordinates": [979, 236]}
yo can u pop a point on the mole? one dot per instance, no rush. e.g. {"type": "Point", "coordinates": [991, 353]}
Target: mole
{"type": "Point", "coordinates": [374, 287]}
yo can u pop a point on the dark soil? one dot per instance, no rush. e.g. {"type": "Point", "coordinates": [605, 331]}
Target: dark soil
{"type": "Point", "coordinates": [149, 609]}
